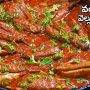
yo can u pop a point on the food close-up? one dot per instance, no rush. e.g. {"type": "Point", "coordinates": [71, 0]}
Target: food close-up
{"type": "Point", "coordinates": [43, 45]}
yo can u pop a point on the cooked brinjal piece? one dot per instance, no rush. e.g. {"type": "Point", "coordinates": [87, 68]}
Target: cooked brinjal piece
{"type": "Point", "coordinates": [78, 66]}
{"type": "Point", "coordinates": [17, 9]}
{"type": "Point", "coordinates": [7, 78]}
{"type": "Point", "coordinates": [9, 33]}
{"type": "Point", "coordinates": [6, 47]}
{"type": "Point", "coordinates": [41, 81]}
{"type": "Point", "coordinates": [25, 24]}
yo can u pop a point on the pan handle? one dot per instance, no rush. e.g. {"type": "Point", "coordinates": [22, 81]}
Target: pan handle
{"type": "Point", "coordinates": [3, 88]}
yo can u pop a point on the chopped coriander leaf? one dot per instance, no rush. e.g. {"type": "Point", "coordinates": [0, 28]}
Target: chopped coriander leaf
{"type": "Point", "coordinates": [73, 86]}
{"type": "Point", "coordinates": [34, 75]}
{"type": "Point", "coordinates": [51, 72]}
{"type": "Point", "coordinates": [15, 15]}
{"type": "Point", "coordinates": [19, 27]}
{"type": "Point", "coordinates": [79, 50]}
{"type": "Point", "coordinates": [32, 60]}
{"type": "Point", "coordinates": [34, 50]}
{"type": "Point", "coordinates": [45, 22]}
{"type": "Point", "coordinates": [65, 36]}
{"type": "Point", "coordinates": [76, 37]}
{"type": "Point", "coordinates": [5, 14]}
{"type": "Point", "coordinates": [68, 81]}
{"type": "Point", "coordinates": [60, 27]}
{"type": "Point", "coordinates": [81, 80]}
{"type": "Point", "coordinates": [53, 42]}
{"type": "Point", "coordinates": [14, 61]}
{"type": "Point", "coordinates": [55, 7]}
{"type": "Point", "coordinates": [61, 30]}
{"type": "Point", "coordinates": [65, 45]}
{"type": "Point", "coordinates": [46, 61]}
{"type": "Point", "coordinates": [43, 47]}
{"type": "Point", "coordinates": [30, 9]}
{"type": "Point", "coordinates": [49, 12]}
{"type": "Point", "coordinates": [50, 77]}
{"type": "Point", "coordinates": [85, 39]}
{"type": "Point", "coordinates": [76, 61]}
{"type": "Point", "coordinates": [75, 28]}
{"type": "Point", "coordinates": [49, 15]}
{"type": "Point", "coordinates": [4, 68]}
{"type": "Point", "coordinates": [32, 45]}
{"type": "Point", "coordinates": [58, 55]}
{"type": "Point", "coordinates": [17, 10]}
{"type": "Point", "coordinates": [11, 47]}
{"type": "Point", "coordinates": [29, 80]}
{"type": "Point", "coordinates": [68, 46]}
{"type": "Point", "coordinates": [23, 84]}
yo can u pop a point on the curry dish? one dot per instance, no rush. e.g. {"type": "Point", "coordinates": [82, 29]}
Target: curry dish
{"type": "Point", "coordinates": [43, 46]}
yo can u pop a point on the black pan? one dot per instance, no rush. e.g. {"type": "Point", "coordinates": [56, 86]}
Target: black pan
{"type": "Point", "coordinates": [81, 88]}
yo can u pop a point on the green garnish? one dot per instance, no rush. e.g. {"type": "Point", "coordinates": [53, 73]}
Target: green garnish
{"type": "Point", "coordinates": [76, 61]}
{"type": "Point", "coordinates": [32, 60]}
{"type": "Point", "coordinates": [75, 28]}
{"type": "Point", "coordinates": [73, 86]}
{"type": "Point", "coordinates": [34, 50]}
{"type": "Point", "coordinates": [68, 81]}
{"type": "Point", "coordinates": [58, 55]}
{"type": "Point", "coordinates": [49, 12]}
{"type": "Point", "coordinates": [76, 37]}
{"type": "Point", "coordinates": [34, 75]}
{"type": "Point", "coordinates": [51, 72]}
{"type": "Point", "coordinates": [29, 80]}
{"type": "Point", "coordinates": [30, 9]}
{"type": "Point", "coordinates": [32, 45]}
{"type": "Point", "coordinates": [81, 80]}
{"type": "Point", "coordinates": [46, 61]}
{"type": "Point", "coordinates": [46, 22]}
{"type": "Point", "coordinates": [53, 42]}
{"type": "Point", "coordinates": [85, 39]}
{"type": "Point", "coordinates": [23, 84]}
{"type": "Point", "coordinates": [19, 27]}
{"type": "Point", "coordinates": [48, 15]}
{"type": "Point", "coordinates": [65, 36]}
{"type": "Point", "coordinates": [11, 47]}
{"type": "Point", "coordinates": [65, 45]}
{"type": "Point", "coordinates": [17, 10]}
{"type": "Point", "coordinates": [4, 68]}
{"type": "Point", "coordinates": [43, 47]}
{"type": "Point", "coordinates": [4, 15]}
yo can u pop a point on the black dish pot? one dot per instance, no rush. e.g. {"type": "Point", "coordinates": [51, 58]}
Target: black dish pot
{"type": "Point", "coordinates": [81, 88]}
